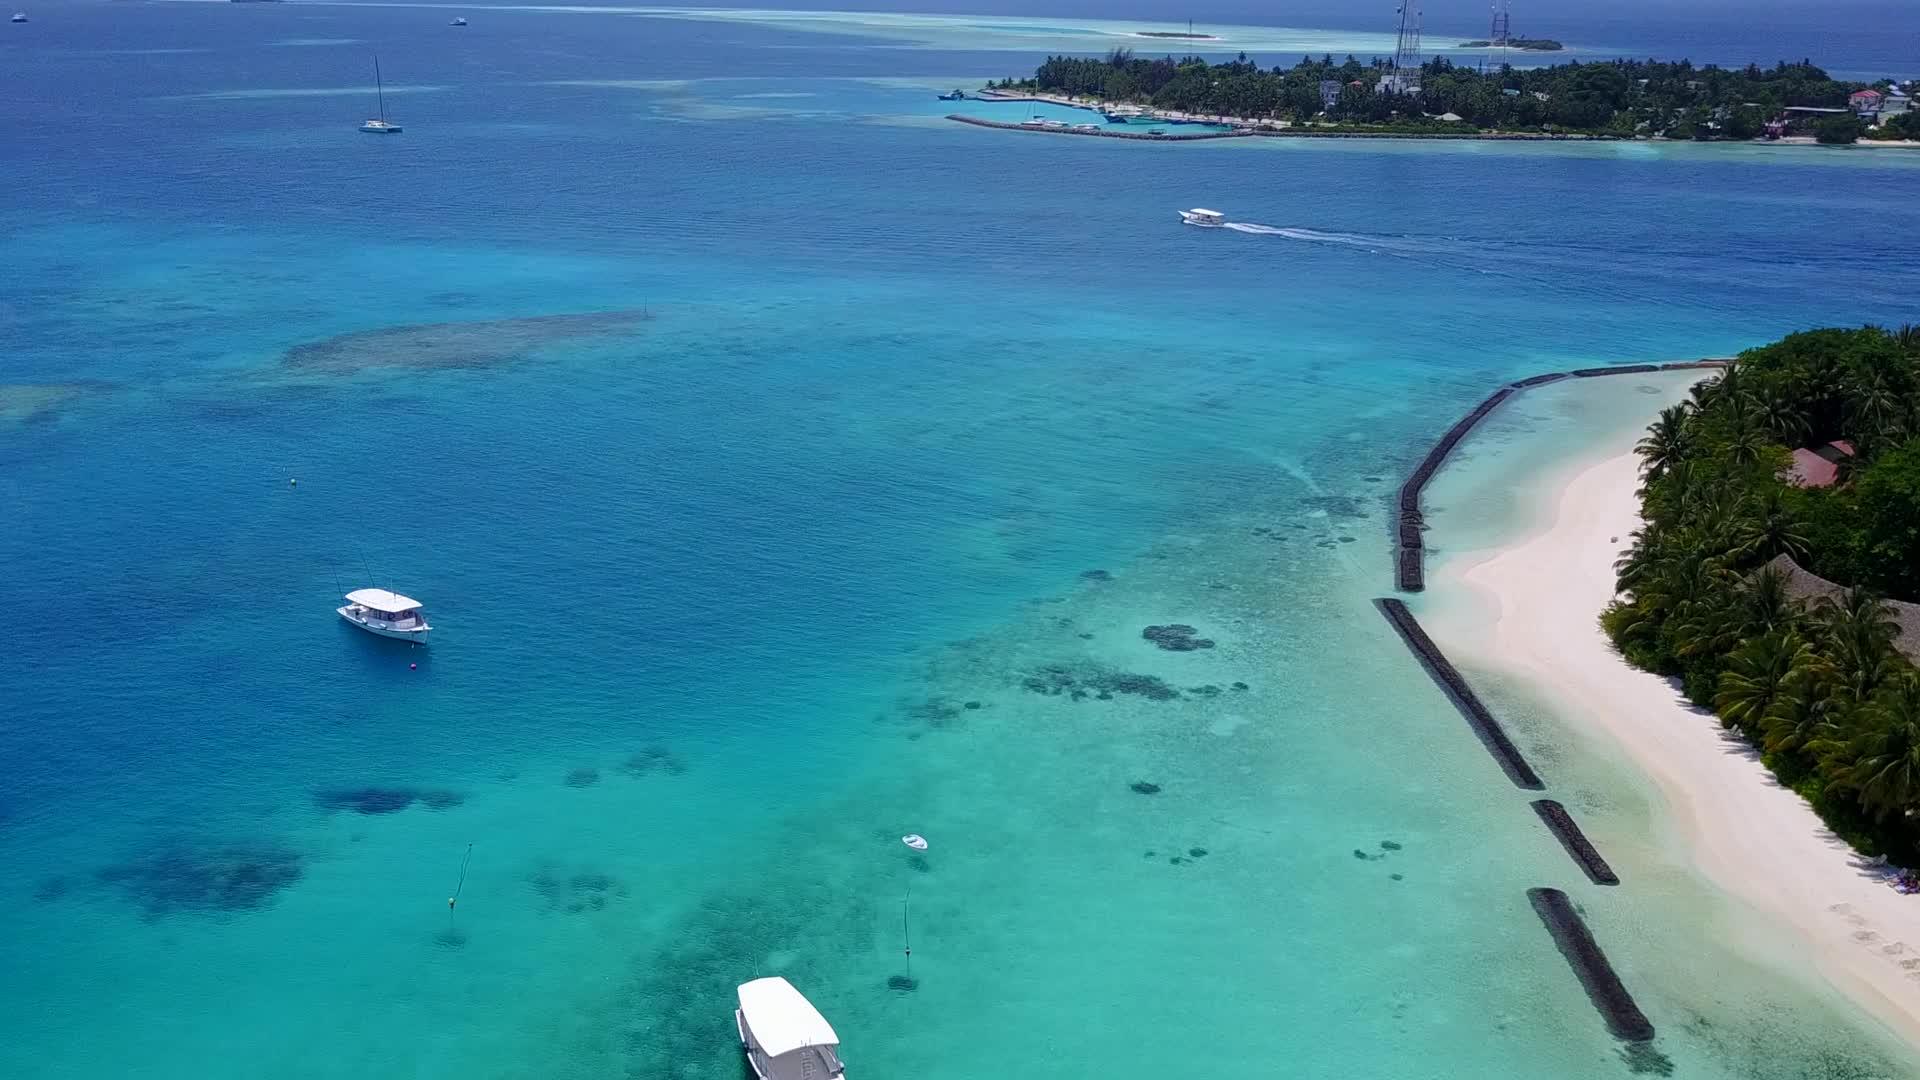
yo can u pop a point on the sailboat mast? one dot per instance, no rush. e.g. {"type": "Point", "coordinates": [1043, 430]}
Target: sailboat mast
{"type": "Point", "coordinates": [379, 89]}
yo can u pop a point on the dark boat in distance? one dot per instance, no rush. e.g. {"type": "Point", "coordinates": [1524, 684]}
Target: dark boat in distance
{"type": "Point", "coordinates": [957, 95]}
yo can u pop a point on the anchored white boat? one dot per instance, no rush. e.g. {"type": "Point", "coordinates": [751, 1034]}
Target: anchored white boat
{"type": "Point", "coordinates": [1206, 219]}
{"type": "Point", "coordinates": [388, 614]}
{"type": "Point", "coordinates": [380, 125]}
{"type": "Point", "coordinates": [785, 1037]}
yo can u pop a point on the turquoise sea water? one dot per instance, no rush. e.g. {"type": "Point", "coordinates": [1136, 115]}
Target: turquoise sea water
{"type": "Point", "coordinates": [755, 563]}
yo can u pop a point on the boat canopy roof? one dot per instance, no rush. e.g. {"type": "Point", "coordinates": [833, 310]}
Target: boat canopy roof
{"type": "Point", "coordinates": [781, 1020]}
{"type": "Point", "coordinates": [382, 600]}
{"type": "Point", "coordinates": [1205, 213]}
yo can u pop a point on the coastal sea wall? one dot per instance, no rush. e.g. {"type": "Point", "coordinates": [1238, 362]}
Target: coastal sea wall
{"type": "Point", "coordinates": [1409, 557]}
{"type": "Point", "coordinates": [1563, 922]}
{"type": "Point", "coordinates": [1104, 134]}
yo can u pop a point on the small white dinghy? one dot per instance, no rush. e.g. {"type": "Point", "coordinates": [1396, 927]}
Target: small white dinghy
{"type": "Point", "coordinates": [785, 1037]}
{"type": "Point", "coordinates": [387, 614]}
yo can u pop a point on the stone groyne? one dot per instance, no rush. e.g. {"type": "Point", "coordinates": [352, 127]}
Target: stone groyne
{"type": "Point", "coordinates": [1410, 547]}
{"type": "Point", "coordinates": [1567, 831]}
{"type": "Point", "coordinates": [1617, 1007]}
{"type": "Point", "coordinates": [1491, 734]}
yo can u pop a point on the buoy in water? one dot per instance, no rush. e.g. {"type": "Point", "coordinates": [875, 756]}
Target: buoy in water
{"type": "Point", "coordinates": [413, 667]}
{"type": "Point", "coordinates": [291, 482]}
{"type": "Point", "coordinates": [915, 841]}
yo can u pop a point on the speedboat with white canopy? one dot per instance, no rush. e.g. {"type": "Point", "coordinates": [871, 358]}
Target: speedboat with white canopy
{"type": "Point", "coordinates": [388, 614]}
{"type": "Point", "coordinates": [1206, 219]}
{"type": "Point", "coordinates": [785, 1037]}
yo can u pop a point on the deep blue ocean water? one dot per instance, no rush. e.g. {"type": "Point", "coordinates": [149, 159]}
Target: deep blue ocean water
{"type": "Point", "coordinates": [745, 571]}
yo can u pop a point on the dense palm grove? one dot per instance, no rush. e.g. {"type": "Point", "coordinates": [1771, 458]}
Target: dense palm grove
{"type": "Point", "coordinates": [1819, 688]}
{"type": "Point", "coordinates": [1621, 97]}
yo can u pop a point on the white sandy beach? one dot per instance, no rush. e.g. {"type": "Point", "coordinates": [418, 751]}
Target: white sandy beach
{"type": "Point", "coordinates": [1752, 837]}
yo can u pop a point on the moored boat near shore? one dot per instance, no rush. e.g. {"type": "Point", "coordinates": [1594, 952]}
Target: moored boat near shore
{"type": "Point", "coordinates": [784, 1036]}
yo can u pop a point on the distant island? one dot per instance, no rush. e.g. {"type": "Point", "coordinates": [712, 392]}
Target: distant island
{"type": "Point", "coordinates": [1530, 44]}
{"type": "Point", "coordinates": [1174, 34]}
{"type": "Point", "coordinates": [1615, 99]}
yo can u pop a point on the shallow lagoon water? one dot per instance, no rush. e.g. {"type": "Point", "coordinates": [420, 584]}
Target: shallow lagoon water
{"type": "Point", "coordinates": [715, 587]}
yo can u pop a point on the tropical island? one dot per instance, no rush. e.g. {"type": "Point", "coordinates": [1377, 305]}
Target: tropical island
{"type": "Point", "coordinates": [1529, 44]}
{"type": "Point", "coordinates": [1777, 573]}
{"type": "Point", "coordinates": [1608, 99]}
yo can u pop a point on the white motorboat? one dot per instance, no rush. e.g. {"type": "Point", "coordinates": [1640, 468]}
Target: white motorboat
{"type": "Point", "coordinates": [785, 1037]}
{"type": "Point", "coordinates": [458, 22]}
{"type": "Point", "coordinates": [1206, 219]}
{"type": "Point", "coordinates": [387, 614]}
{"type": "Point", "coordinates": [19, 16]}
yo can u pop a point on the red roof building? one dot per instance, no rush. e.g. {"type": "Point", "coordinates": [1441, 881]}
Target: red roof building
{"type": "Point", "coordinates": [1820, 466]}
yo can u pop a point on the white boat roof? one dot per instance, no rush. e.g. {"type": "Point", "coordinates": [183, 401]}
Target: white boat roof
{"type": "Point", "coordinates": [1207, 213]}
{"type": "Point", "coordinates": [382, 600]}
{"type": "Point", "coordinates": [781, 1020]}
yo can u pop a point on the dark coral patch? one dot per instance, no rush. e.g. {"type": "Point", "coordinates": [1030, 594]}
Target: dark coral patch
{"type": "Point", "coordinates": [382, 800]}
{"type": "Point", "coordinates": [217, 881]}
{"type": "Point", "coordinates": [1096, 575]}
{"type": "Point", "coordinates": [1176, 637]}
{"type": "Point", "coordinates": [1144, 787]}
{"type": "Point", "coordinates": [575, 893]}
{"type": "Point", "coordinates": [1056, 680]}
{"type": "Point", "coordinates": [585, 776]}
{"type": "Point", "coordinates": [652, 758]}
{"type": "Point", "coordinates": [456, 344]}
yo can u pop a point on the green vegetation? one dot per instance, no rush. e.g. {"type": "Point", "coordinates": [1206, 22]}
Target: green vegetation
{"type": "Point", "coordinates": [1614, 97]}
{"type": "Point", "coordinates": [1819, 688]}
{"type": "Point", "coordinates": [1530, 44]}
{"type": "Point", "coordinates": [1839, 130]}
{"type": "Point", "coordinates": [1904, 126]}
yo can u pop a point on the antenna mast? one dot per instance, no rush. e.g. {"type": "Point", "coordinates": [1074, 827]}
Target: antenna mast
{"type": "Point", "coordinates": [1405, 76]}
{"type": "Point", "coordinates": [1499, 35]}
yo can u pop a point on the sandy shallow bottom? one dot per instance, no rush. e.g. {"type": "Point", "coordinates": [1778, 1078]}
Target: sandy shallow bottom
{"type": "Point", "coordinates": [1527, 611]}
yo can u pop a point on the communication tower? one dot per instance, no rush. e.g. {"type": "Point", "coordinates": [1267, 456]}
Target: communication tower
{"type": "Point", "coordinates": [1405, 76]}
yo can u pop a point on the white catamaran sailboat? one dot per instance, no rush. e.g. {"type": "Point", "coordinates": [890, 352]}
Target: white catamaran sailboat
{"type": "Point", "coordinates": [387, 614]}
{"type": "Point", "coordinates": [379, 125]}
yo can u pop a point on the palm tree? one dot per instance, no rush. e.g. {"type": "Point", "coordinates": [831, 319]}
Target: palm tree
{"type": "Point", "coordinates": [1885, 768]}
{"type": "Point", "coordinates": [1857, 632]}
{"type": "Point", "coordinates": [1668, 441]}
{"type": "Point", "coordinates": [1758, 677]}
{"type": "Point", "coordinates": [1781, 405]}
{"type": "Point", "coordinates": [1801, 717]}
{"type": "Point", "coordinates": [1771, 528]}
{"type": "Point", "coordinates": [1908, 338]}
{"type": "Point", "coordinates": [1876, 405]}
{"type": "Point", "coordinates": [1747, 443]}
{"type": "Point", "coordinates": [1764, 604]}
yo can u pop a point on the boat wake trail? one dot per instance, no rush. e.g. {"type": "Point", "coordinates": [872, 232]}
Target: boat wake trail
{"type": "Point", "coordinates": [1382, 245]}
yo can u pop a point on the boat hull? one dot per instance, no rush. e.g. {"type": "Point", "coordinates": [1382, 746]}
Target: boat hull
{"type": "Point", "coordinates": [418, 634]}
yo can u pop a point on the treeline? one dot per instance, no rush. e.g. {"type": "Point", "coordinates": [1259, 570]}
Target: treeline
{"type": "Point", "coordinates": [1819, 688]}
{"type": "Point", "coordinates": [1621, 97]}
